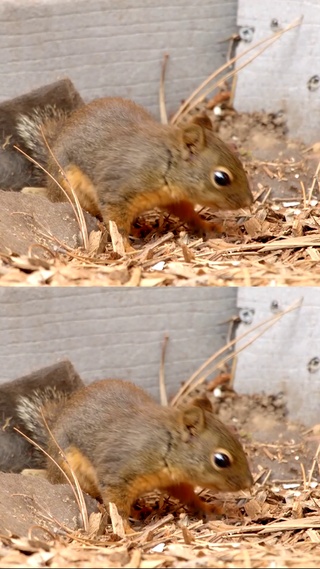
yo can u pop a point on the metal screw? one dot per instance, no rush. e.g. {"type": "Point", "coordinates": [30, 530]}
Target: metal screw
{"type": "Point", "coordinates": [274, 24]}
{"type": "Point", "coordinates": [313, 83]}
{"type": "Point", "coordinates": [313, 365]}
{"type": "Point", "coordinates": [246, 33]}
{"type": "Point", "coordinates": [274, 306]}
{"type": "Point", "coordinates": [246, 315]}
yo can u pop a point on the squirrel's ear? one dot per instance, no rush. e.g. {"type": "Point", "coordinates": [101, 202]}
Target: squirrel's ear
{"type": "Point", "coordinates": [193, 417]}
{"type": "Point", "coordinates": [193, 138]}
{"type": "Point", "coordinates": [203, 402]}
{"type": "Point", "coordinates": [202, 120]}
{"type": "Point", "coordinates": [194, 135]}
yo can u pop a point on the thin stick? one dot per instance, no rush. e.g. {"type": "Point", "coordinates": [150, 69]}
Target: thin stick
{"type": "Point", "coordinates": [274, 318]}
{"type": "Point", "coordinates": [162, 99]}
{"type": "Point", "coordinates": [184, 105]}
{"type": "Point", "coordinates": [162, 383]}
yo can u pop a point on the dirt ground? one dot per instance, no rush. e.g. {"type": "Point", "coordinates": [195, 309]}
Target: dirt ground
{"type": "Point", "coordinates": [275, 244]}
{"type": "Point", "coordinates": [277, 526]}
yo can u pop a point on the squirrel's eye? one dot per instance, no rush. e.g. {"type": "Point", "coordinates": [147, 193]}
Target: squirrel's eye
{"type": "Point", "coordinates": [221, 177]}
{"type": "Point", "coordinates": [221, 459]}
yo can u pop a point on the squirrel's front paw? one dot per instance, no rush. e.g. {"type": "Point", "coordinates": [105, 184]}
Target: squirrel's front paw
{"type": "Point", "coordinates": [206, 229]}
{"type": "Point", "coordinates": [206, 511]}
{"type": "Point", "coordinates": [211, 229]}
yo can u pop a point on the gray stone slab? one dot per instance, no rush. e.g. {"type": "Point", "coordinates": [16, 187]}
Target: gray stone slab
{"type": "Point", "coordinates": [113, 48]}
{"type": "Point", "coordinates": [27, 500]}
{"type": "Point", "coordinates": [279, 360]}
{"type": "Point", "coordinates": [27, 219]}
{"type": "Point", "coordinates": [113, 332]}
{"type": "Point", "coordinates": [278, 78]}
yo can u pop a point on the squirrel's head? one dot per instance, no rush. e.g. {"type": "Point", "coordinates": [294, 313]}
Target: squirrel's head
{"type": "Point", "coordinates": [211, 455]}
{"type": "Point", "coordinates": [215, 176]}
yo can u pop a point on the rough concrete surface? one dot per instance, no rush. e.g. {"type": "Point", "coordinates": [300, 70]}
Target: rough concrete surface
{"type": "Point", "coordinates": [27, 219]}
{"type": "Point", "coordinates": [28, 500]}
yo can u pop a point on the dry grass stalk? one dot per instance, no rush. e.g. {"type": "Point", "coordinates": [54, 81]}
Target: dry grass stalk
{"type": "Point", "coordinates": [162, 99]}
{"type": "Point", "coordinates": [42, 529]}
{"type": "Point", "coordinates": [40, 246]}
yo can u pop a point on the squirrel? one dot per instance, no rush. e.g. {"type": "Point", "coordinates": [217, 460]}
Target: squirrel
{"type": "Point", "coordinates": [121, 162]}
{"type": "Point", "coordinates": [120, 443]}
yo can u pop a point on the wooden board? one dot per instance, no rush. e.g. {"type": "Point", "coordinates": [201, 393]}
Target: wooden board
{"type": "Point", "coordinates": [113, 48]}
{"type": "Point", "coordinates": [113, 332]}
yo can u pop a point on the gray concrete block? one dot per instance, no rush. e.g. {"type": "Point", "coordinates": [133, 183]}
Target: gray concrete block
{"type": "Point", "coordinates": [113, 48]}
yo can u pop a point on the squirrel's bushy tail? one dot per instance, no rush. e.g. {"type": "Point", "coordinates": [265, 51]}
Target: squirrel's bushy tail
{"type": "Point", "coordinates": [38, 130]}
{"type": "Point", "coordinates": [40, 403]}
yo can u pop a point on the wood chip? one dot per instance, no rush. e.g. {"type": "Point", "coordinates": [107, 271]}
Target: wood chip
{"type": "Point", "coordinates": [116, 239]}
{"type": "Point", "coordinates": [116, 521]}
